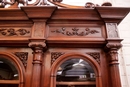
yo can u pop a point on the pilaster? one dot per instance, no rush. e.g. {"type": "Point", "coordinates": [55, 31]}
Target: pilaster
{"type": "Point", "coordinates": [37, 46]}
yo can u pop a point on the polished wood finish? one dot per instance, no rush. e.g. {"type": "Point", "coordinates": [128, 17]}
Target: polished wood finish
{"type": "Point", "coordinates": [49, 36]}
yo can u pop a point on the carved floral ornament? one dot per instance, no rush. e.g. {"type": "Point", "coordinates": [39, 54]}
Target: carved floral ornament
{"type": "Point", "coordinates": [56, 55]}
{"type": "Point", "coordinates": [75, 31]}
{"type": "Point", "coordinates": [13, 32]}
{"type": "Point", "coordinates": [23, 56]}
{"type": "Point", "coordinates": [15, 3]}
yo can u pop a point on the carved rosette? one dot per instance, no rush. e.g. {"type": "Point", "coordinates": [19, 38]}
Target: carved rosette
{"type": "Point", "coordinates": [95, 55]}
{"type": "Point", "coordinates": [23, 56]}
{"type": "Point", "coordinates": [14, 32]}
{"type": "Point", "coordinates": [55, 55]}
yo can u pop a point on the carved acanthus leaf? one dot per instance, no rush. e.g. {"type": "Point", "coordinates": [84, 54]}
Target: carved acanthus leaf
{"type": "Point", "coordinates": [13, 32]}
{"type": "Point", "coordinates": [23, 56]}
{"type": "Point", "coordinates": [95, 55]}
{"type": "Point", "coordinates": [75, 31]}
{"type": "Point", "coordinates": [55, 55]}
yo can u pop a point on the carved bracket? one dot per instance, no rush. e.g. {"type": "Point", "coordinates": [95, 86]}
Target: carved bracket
{"type": "Point", "coordinates": [55, 55]}
{"type": "Point", "coordinates": [75, 31]}
{"type": "Point", "coordinates": [13, 32]}
{"type": "Point", "coordinates": [23, 56]}
{"type": "Point", "coordinates": [95, 55]}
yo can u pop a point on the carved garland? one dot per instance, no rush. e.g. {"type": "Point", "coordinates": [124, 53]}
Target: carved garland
{"type": "Point", "coordinates": [75, 31]}
{"type": "Point", "coordinates": [23, 56]}
{"type": "Point", "coordinates": [12, 32]}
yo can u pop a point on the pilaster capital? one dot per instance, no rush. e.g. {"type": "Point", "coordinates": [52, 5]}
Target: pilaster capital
{"type": "Point", "coordinates": [113, 44]}
{"type": "Point", "coordinates": [37, 45]}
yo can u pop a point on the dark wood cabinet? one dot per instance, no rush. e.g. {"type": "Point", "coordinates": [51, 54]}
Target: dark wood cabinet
{"type": "Point", "coordinates": [46, 46]}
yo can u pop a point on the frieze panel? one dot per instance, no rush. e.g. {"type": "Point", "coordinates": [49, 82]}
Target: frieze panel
{"type": "Point", "coordinates": [75, 31]}
{"type": "Point", "coordinates": [23, 56]}
{"type": "Point", "coordinates": [14, 32]}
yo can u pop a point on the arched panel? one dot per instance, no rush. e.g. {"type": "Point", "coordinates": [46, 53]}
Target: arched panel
{"type": "Point", "coordinates": [14, 64]}
{"type": "Point", "coordinates": [68, 56]}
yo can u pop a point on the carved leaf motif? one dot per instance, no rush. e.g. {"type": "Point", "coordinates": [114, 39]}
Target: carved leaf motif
{"type": "Point", "coordinates": [13, 32]}
{"type": "Point", "coordinates": [23, 56]}
{"type": "Point", "coordinates": [75, 31]}
{"type": "Point", "coordinates": [55, 55]}
{"type": "Point", "coordinates": [95, 55]}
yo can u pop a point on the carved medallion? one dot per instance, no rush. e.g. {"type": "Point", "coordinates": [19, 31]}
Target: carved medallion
{"type": "Point", "coordinates": [23, 56]}
{"type": "Point", "coordinates": [95, 55]}
{"type": "Point", "coordinates": [55, 55]}
{"type": "Point", "coordinates": [75, 31]}
{"type": "Point", "coordinates": [13, 32]}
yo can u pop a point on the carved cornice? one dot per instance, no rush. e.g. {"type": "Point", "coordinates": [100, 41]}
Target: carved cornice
{"type": "Point", "coordinates": [13, 32]}
{"type": "Point", "coordinates": [95, 55]}
{"type": "Point", "coordinates": [55, 55]}
{"type": "Point", "coordinates": [75, 31]}
{"type": "Point", "coordinates": [23, 56]}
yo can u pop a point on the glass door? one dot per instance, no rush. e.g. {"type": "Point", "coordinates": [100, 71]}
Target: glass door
{"type": "Point", "coordinates": [75, 72]}
{"type": "Point", "coordinates": [9, 76]}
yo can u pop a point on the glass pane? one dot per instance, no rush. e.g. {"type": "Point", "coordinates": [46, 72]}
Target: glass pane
{"type": "Point", "coordinates": [8, 70]}
{"type": "Point", "coordinates": [75, 70]}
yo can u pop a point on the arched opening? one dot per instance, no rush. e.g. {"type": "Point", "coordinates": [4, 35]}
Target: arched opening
{"type": "Point", "coordinates": [11, 71]}
{"type": "Point", "coordinates": [76, 70]}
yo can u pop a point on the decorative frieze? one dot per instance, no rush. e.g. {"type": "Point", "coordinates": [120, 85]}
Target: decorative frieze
{"type": "Point", "coordinates": [55, 55]}
{"type": "Point", "coordinates": [14, 32]}
{"type": "Point", "coordinates": [23, 56]}
{"type": "Point", "coordinates": [73, 31]}
{"type": "Point", "coordinates": [95, 55]}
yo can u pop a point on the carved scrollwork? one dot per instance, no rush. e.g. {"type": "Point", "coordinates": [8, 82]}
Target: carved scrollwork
{"type": "Point", "coordinates": [15, 3]}
{"type": "Point", "coordinates": [23, 56]}
{"type": "Point", "coordinates": [95, 55]}
{"type": "Point", "coordinates": [55, 55]}
{"type": "Point", "coordinates": [75, 31]}
{"type": "Point", "coordinates": [13, 32]}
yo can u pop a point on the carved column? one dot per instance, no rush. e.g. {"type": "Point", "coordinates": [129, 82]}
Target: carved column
{"type": "Point", "coordinates": [112, 48]}
{"type": "Point", "coordinates": [38, 46]}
